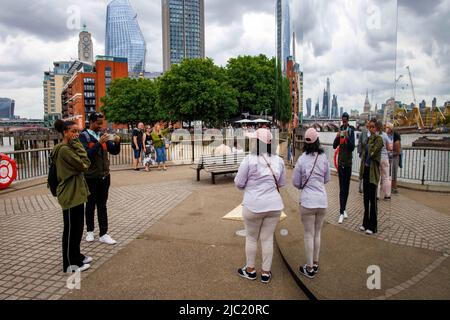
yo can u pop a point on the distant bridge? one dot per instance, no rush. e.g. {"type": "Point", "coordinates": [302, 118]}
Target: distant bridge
{"type": "Point", "coordinates": [322, 125]}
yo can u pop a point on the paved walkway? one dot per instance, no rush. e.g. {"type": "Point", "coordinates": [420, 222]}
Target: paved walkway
{"type": "Point", "coordinates": [173, 244]}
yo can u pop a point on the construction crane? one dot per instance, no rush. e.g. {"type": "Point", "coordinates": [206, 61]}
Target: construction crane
{"type": "Point", "coordinates": [416, 111]}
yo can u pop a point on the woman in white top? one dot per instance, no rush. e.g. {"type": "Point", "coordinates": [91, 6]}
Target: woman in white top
{"type": "Point", "coordinates": [311, 173]}
{"type": "Point", "coordinates": [261, 174]}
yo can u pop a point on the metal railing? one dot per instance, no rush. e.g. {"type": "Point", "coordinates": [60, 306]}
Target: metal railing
{"type": "Point", "coordinates": [420, 165]}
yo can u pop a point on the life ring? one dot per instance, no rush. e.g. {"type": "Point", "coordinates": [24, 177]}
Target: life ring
{"type": "Point", "coordinates": [336, 154]}
{"type": "Point", "coordinates": [8, 171]}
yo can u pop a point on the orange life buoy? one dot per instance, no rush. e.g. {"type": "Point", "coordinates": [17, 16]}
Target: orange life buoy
{"type": "Point", "coordinates": [8, 171]}
{"type": "Point", "coordinates": [336, 154]}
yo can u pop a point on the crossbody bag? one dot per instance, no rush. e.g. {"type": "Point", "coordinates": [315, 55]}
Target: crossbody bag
{"type": "Point", "coordinates": [273, 174]}
{"type": "Point", "coordinates": [312, 170]}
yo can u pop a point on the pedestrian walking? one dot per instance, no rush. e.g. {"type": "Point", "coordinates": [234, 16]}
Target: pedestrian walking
{"type": "Point", "coordinates": [311, 173]}
{"type": "Point", "coordinates": [98, 147]}
{"type": "Point", "coordinates": [147, 143]}
{"type": "Point", "coordinates": [370, 173]}
{"type": "Point", "coordinates": [384, 187]}
{"type": "Point", "coordinates": [158, 136]}
{"type": "Point", "coordinates": [362, 141]}
{"type": "Point", "coordinates": [71, 161]}
{"type": "Point", "coordinates": [136, 144]}
{"type": "Point", "coordinates": [260, 175]}
{"type": "Point", "coordinates": [345, 140]}
{"type": "Point", "coordinates": [394, 156]}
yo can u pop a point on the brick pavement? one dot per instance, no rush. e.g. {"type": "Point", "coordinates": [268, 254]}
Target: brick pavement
{"type": "Point", "coordinates": [30, 256]}
{"type": "Point", "coordinates": [400, 221]}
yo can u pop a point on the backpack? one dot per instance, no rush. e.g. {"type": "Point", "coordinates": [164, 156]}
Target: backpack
{"type": "Point", "coordinates": [52, 179]}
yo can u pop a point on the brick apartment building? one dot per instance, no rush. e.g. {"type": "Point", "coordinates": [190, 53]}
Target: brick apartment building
{"type": "Point", "coordinates": [88, 84]}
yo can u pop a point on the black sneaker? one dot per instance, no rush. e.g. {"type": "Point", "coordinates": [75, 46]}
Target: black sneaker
{"type": "Point", "coordinates": [387, 198]}
{"type": "Point", "coordinates": [304, 271]}
{"type": "Point", "coordinates": [265, 278]}
{"type": "Point", "coordinates": [245, 274]}
{"type": "Point", "coordinates": [316, 268]}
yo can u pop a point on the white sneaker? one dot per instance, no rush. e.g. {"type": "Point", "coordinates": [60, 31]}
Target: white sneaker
{"type": "Point", "coordinates": [90, 237]}
{"type": "Point", "coordinates": [84, 267]}
{"type": "Point", "coordinates": [362, 228]}
{"type": "Point", "coordinates": [369, 232]}
{"type": "Point", "coordinates": [87, 260]}
{"type": "Point", "coordinates": [107, 239]}
{"type": "Point", "coordinates": [345, 214]}
{"type": "Point", "coordinates": [341, 218]}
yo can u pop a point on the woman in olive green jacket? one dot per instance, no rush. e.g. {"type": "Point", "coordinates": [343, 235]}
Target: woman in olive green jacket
{"type": "Point", "coordinates": [71, 161]}
{"type": "Point", "coordinates": [370, 174]}
{"type": "Point", "coordinates": [158, 136]}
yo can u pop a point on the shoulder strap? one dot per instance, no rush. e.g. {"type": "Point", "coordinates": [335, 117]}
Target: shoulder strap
{"type": "Point", "coordinates": [312, 170]}
{"type": "Point", "coordinates": [273, 174]}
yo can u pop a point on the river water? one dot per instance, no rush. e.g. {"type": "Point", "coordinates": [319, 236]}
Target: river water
{"type": "Point", "coordinates": [407, 139]}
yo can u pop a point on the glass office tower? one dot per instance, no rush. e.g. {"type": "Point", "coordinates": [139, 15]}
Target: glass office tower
{"type": "Point", "coordinates": [283, 32]}
{"type": "Point", "coordinates": [124, 38]}
{"type": "Point", "coordinates": [183, 31]}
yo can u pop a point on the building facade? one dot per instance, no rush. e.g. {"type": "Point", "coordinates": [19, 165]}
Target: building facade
{"type": "Point", "coordinates": [88, 85]}
{"type": "Point", "coordinates": [183, 24]}
{"type": "Point", "coordinates": [7, 108]}
{"type": "Point", "coordinates": [53, 85]}
{"type": "Point", "coordinates": [283, 32]}
{"type": "Point", "coordinates": [124, 37]}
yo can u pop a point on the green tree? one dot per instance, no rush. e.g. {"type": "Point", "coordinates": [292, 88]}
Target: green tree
{"type": "Point", "coordinates": [283, 98]}
{"type": "Point", "coordinates": [254, 79]}
{"type": "Point", "coordinates": [130, 101]}
{"type": "Point", "coordinates": [196, 89]}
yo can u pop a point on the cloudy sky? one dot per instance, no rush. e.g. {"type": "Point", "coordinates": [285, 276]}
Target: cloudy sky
{"type": "Point", "coordinates": [351, 41]}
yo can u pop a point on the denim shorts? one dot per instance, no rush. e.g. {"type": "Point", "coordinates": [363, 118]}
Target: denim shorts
{"type": "Point", "coordinates": [137, 153]}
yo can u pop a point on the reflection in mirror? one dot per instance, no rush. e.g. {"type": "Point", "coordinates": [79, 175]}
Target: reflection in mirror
{"type": "Point", "coordinates": [336, 72]}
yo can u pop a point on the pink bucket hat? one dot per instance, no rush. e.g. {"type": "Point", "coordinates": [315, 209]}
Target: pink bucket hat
{"type": "Point", "coordinates": [262, 134]}
{"type": "Point", "coordinates": [311, 135]}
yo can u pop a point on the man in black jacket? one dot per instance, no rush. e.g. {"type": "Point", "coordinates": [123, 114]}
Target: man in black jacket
{"type": "Point", "coordinates": [98, 176]}
{"type": "Point", "coordinates": [345, 140]}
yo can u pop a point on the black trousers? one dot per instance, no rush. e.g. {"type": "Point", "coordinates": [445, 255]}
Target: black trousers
{"type": "Point", "coordinates": [99, 189]}
{"type": "Point", "coordinates": [370, 202]}
{"type": "Point", "coordinates": [71, 239]}
{"type": "Point", "coordinates": [345, 175]}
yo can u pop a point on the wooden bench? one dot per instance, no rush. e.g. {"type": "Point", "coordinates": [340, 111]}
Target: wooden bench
{"type": "Point", "coordinates": [217, 165]}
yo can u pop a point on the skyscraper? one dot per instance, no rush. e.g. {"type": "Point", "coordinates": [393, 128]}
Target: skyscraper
{"type": "Point", "coordinates": [6, 108]}
{"type": "Point", "coordinates": [367, 106]}
{"type": "Point", "coordinates": [329, 98]}
{"type": "Point", "coordinates": [325, 106]}
{"type": "Point", "coordinates": [183, 23]}
{"type": "Point", "coordinates": [124, 38]}
{"type": "Point", "coordinates": [308, 107]}
{"type": "Point", "coordinates": [283, 32]}
{"type": "Point", "coordinates": [85, 47]}
{"type": "Point", "coordinates": [334, 108]}
{"type": "Point", "coordinates": [317, 109]}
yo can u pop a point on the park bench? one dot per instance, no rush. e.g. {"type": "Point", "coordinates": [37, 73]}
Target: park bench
{"type": "Point", "coordinates": [217, 165]}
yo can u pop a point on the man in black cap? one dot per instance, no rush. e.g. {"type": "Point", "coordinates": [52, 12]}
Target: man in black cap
{"type": "Point", "coordinates": [98, 178]}
{"type": "Point", "coordinates": [345, 140]}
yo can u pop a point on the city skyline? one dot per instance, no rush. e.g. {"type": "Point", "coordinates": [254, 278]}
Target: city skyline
{"type": "Point", "coordinates": [30, 43]}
